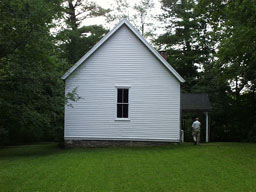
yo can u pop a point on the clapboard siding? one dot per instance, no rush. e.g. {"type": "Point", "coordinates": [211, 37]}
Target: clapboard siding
{"type": "Point", "coordinates": [154, 94]}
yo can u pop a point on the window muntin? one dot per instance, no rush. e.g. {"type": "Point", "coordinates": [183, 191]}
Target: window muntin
{"type": "Point", "coordinates": [122, 103]}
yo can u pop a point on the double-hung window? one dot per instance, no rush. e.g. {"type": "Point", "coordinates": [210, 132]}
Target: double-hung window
{"type": "Point", "coordinates": [123, 103]}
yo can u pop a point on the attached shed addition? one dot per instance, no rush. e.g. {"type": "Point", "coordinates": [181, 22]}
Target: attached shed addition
{"type": "Point", "coordinates": [197, 102]}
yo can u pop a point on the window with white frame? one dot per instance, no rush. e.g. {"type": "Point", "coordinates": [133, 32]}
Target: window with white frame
{"type": "Point", "coordinates": [122, 103]}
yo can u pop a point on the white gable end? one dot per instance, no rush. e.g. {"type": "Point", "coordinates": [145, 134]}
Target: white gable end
{"type": "Point", "coordinates": [106, 37]}
{"type": "Point", "coordinates": [154, 94]}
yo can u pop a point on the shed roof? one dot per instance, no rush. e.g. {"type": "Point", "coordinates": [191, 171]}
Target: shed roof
{"type": "Point", "coordinates": [195, 102]}
{"type": "Point", "coordinates": [138, 35]}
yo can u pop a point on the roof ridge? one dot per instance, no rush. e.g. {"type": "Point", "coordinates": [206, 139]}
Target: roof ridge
{"type": "Point", "coordinates": [108, 35]}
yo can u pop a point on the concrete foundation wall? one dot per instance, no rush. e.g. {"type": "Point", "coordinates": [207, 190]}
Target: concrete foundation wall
{"type": "Point", "coordinates": [103, 143]}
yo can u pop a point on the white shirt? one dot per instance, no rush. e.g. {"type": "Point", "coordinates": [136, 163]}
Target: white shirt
{"type": "Point", "coordinates": [196, 124]}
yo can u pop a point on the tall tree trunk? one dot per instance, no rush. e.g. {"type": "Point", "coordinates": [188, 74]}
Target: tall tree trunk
{"type": "Point", "coordinates": [72, 13]}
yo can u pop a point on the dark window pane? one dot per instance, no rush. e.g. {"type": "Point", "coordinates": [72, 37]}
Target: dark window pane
{"type": "Point", "coordinates": [125, 110]}
{"type": "Point", "coordinates": [125, 96]}
{"type": "Point", "coordinates": [122, 97]}
{"type": "Point", "coordinates": [119, 110]}
{"type": "Point", "coordinates": [119, 95]}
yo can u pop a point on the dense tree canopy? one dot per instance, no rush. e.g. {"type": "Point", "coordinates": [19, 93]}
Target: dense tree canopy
{"type": "Point", "coordinates": [76, 38]}
{"type": "Point", "coordinates": [212, 44]}
{"type": "Point", "coordinates": [186, 39]}
{"type": "Point", "coordinates": [31, 96]}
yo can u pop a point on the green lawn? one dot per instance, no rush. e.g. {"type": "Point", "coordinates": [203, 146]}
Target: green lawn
{"type": "Point", "coordinates": [180, 167]}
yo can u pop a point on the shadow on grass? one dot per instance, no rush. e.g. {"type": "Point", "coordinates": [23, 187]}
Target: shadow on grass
{"type": "Point", "coordinates": [46, 149]}
{"type": "Point", "coordinates": [30, 150]}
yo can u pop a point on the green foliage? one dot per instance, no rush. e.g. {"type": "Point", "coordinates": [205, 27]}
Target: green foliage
{"type": "Point", "coordinates": [212, 45]}
{"type": "Point", "coordinates": [185, 39]}
{"type": "Point", "coordinates": [31, 97]}
{"type": "Point", "coordinates": [72, 96]}
{"type": "Point", "coordinates": [20, 20]}
{"type": "Point", "coordinates": [75, 43]}
{"type": "Point", "coordinates": [235, 69]}
{"type": "Point", "coordinates": [76, 39]}
{"type": "Point", "coordinates": [32, 62]}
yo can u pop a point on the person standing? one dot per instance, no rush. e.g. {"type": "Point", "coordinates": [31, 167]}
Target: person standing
{"type": "Point", "coordinates": [196, 131]}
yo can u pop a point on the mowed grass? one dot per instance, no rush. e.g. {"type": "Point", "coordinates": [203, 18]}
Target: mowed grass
{"type": "Point", "coordinates": [175, 167]}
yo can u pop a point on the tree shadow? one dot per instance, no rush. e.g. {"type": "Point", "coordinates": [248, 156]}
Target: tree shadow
{"type": "Point", "coordinates": [31, 150]}
{"type": "Point", "coordinates": [47, 149]}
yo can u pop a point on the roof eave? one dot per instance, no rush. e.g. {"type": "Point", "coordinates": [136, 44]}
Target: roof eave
{"type": "Point", "coordinates": [92, 50]}
{"type": "Point", "coordinates": [166, 64]}
{"type": "Point", "coordinates": [109, 34]}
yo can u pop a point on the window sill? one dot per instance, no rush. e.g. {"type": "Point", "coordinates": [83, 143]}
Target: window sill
{"type": "Point", "coordinates": [122, 119]}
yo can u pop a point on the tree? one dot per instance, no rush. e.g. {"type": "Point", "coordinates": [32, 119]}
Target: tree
{"type": "Point", "coordinates": [230, 77]}
{"type": "Point", "coordinates": [139, 14]}
{"type": "Point", "coordinates": [144, 17]}
{"type": "Point", "coordinates": [186, 39]}
{"type": "Point", "coordinates": [31, 97]}
{"type": "Point", "coordinates": [237, 57]}
{"type": "Point", "coordinates": [76, 38]}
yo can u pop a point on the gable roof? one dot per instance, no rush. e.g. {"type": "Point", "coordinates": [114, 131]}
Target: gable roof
{"type": "Point", "coordinates": [137, 34]}
{"type": "Point", "coordinates": [195, 102]}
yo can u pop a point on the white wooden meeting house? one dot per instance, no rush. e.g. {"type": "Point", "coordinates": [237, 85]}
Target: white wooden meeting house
{"type": "Point", "coordinates": [129, 93]}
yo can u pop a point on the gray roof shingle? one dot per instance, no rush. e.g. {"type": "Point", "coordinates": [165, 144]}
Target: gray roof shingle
{"type": "Point", "coordinates": [195, 102]}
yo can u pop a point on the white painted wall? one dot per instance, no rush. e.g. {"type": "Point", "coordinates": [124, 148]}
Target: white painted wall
{"type": "Point", "coordinates": [154, 94]}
